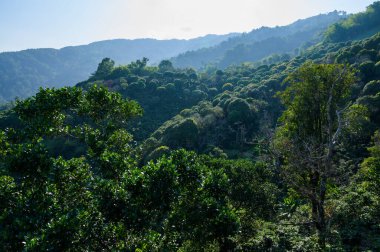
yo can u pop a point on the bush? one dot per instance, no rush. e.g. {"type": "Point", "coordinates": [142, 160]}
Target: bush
{"type": "Point", "coordinates": [239, 110]}
{"type": "Point", "coordinates": [158, 152]}
{"type": "Point", "coordinates": [228, 87]}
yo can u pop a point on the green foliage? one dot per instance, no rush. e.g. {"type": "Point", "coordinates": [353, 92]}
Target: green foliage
{"type": "Point", "coordinates": [307, 98]}
{"type": "Point", "coordinates": [54, 111]}
{"type": "Point", "coordinates": [371, 165]}
{"type": "Point", "coordinates": [357, 218]}
{"type": "Point", "coordinates": [71, 177]}
{"type": "Point", "coordinates": [216, 152]}
{"type": "Point", "coordinates": [239, 110]}
{"type": "Point", "coordinates": [158, 152]}
{"type": "Point", "coordinates": [162, 94]}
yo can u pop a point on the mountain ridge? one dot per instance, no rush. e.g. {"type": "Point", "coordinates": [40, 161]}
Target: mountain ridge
{"type": "Point", "coordinates": [217, 54]}
{"type": "Point", "coordinates": [22, 72]}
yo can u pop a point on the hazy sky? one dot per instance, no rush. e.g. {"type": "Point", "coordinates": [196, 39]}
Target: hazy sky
{"type": "Point", "coordinates": [59, 23]}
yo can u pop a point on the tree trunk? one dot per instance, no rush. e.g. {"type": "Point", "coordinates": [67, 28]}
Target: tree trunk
{"type": "Point", "coordinates": [318, 183]}
{"type": "Point", "coordinates": [322, 231]}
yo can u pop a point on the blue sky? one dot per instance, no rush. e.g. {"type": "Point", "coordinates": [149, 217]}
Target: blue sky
{"type": "Point", "coordinates": [58, 23]}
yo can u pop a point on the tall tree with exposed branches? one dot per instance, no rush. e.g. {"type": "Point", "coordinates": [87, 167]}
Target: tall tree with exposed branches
{"type": "Point", "coordinates": [316, 99]}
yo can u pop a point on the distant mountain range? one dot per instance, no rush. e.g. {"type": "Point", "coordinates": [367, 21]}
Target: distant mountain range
{"type": "Point", "coordinates": [23, 72]}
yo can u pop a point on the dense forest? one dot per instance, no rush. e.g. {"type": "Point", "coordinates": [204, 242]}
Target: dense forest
{"type": "Point", "coordinates": [277, 155]}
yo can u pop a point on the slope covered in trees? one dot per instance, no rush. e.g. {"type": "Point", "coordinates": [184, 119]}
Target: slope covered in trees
{"type": "Point", "coordinates": [244, 102]}
{"type": "Point", "coordinates": [356, 26]}
{"type": "Point", "coordinates": [22, 73]}
{"type": "Point", "coordinates": [231, 107]}
{"type": "Point", "coordinates": [260, 43]}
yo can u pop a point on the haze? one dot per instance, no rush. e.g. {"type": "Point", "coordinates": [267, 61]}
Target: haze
{"type": "Point", "coordinates": [58, 23]}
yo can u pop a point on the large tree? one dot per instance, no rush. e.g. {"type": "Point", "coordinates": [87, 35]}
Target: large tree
{"type": "Point", "coordinates": [315, 100]}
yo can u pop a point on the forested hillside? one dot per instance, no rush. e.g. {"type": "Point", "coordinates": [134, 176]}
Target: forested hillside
{"type": "Point", "coordinates": [261, 43]}
{"type": "Point", "coordinates": [356, 26]}
{"type": "Point", "coordinates": [279, 157]}
{"type": "Point", "coordinates": [22, 73]}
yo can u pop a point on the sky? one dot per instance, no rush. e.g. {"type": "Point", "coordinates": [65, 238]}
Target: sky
{"type": "Point", "coordinates": [58, 23]}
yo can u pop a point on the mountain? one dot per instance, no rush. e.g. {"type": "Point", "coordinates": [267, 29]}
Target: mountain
{"type": "Point", "coordinates": [23, 72]}
{"type": "Point", "coordinates": [261, 43]}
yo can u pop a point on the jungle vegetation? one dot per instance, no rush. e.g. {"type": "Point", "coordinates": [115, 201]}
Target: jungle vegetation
{"type": "Point", "coordinates": [281, 155]}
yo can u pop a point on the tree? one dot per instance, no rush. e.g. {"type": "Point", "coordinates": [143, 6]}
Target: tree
{"type": "Point", "coordinates": [138, 66]}
{"type": "Point", "coordinates": [104, 68]}
{"type": "Point", "coordinates": [165, 65]}
{"type": "Point", "coordinates": [51, 203]}
{"type": "Point", "coordinates": [315, 101]}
